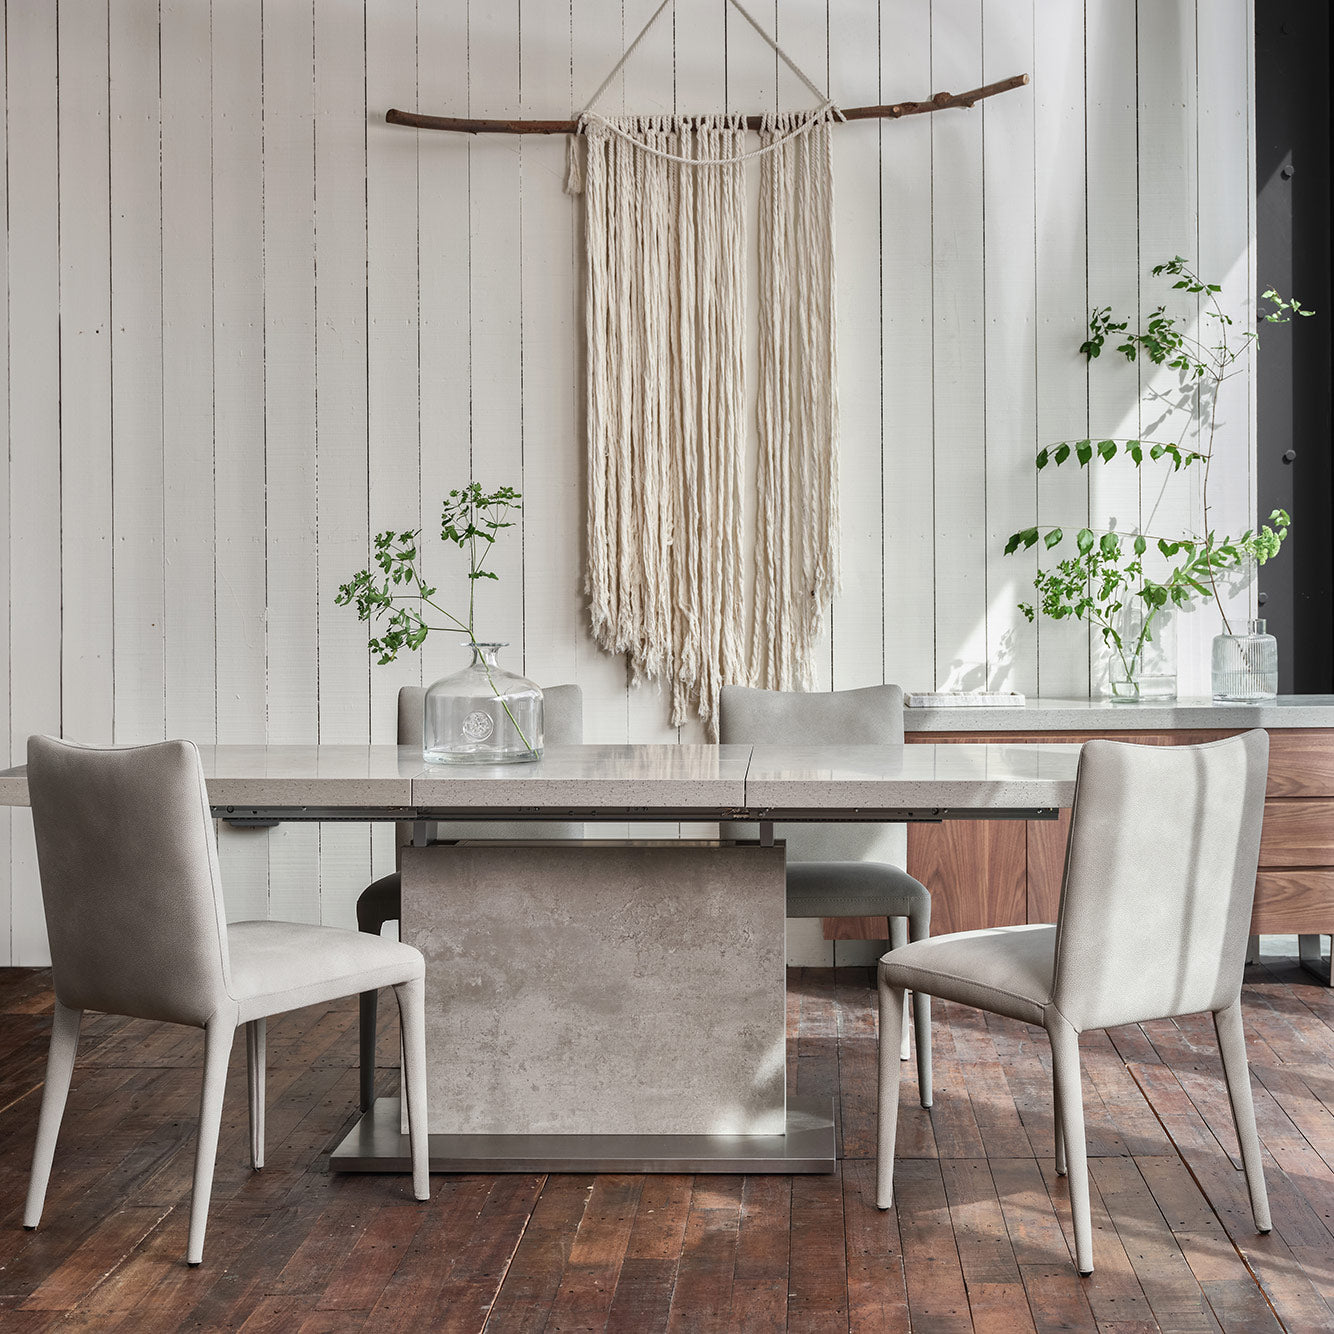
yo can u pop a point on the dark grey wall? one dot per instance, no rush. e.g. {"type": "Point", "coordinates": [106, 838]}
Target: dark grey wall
{"type": "Point", "coordinates": [1292, 58]}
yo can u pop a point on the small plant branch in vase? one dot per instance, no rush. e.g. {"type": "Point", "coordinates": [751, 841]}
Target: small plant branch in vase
{"type": "Point", "coordinates": [1104, 577]}
{"type": "Point", "coordinates": [395, 593]}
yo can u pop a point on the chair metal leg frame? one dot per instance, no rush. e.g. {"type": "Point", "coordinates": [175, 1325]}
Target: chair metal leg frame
{"type": "Point", "coordinates": [1070, 1100]}
{"type": "Point", "coordinates": [412, 1021]}
{"type": "Point", "coordinates": [59, 1072]}
{"type": "Point", "coordinates": [366, 1047]}
{"type": "Point", "coordinates": [255, 1032]}
{"type": "Point", "coordinates": [218, 1038]}
{"type": "Point", "coordinates": [1236, 1070]}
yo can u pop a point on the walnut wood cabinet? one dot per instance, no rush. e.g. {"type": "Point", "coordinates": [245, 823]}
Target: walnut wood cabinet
{"type": "Point", "coordinates": [1004, 872]}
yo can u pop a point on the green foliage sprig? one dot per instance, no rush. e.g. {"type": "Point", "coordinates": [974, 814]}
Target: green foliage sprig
{"type": "Point", "coordinates": [1105, 573]}
{"type": "Point", "coordinates": [396, 592]}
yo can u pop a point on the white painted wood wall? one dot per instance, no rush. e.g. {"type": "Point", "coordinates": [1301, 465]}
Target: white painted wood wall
{"type": "Point", "coordinates": [248, 324]}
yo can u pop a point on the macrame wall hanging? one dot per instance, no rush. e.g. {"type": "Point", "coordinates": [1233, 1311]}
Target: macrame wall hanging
{"type": "Point", "coordinates": [665, 308]}
{"type": "Point", "coordinates": [666, 331]}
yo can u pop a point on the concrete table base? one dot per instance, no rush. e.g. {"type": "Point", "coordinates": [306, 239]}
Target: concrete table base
{"type": "Point", "coordinates": [377, 1144]}
{"type": "Point", "coordinates": [601, 1006]}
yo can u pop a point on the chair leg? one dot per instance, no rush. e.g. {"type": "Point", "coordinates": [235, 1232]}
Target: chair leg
{"type": "Point", "coordinates": [1236, 1069]}
{"type": "Point", "coordinates": [255, 1033]}
{"type": "Point", "coordinates": [898, 937]}
{"type": "Point", "coordinates": [218, 1037]}
{"type": "Point", "coordinates": [892, 1002]}
{"type": "Point", "coordinates": [919, 924]}
{"type": "Point", "coordinates": [412, 1024]}
{"type": "Point", "coordinates": [369, 1007]}
{"type": "Point", "coordinates": [1070, 1095]}
{"type": "Point", "coordinates": [59, 1071]}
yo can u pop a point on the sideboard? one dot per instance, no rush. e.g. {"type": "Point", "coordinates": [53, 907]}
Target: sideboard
{"type": "Point", "coordinates": [1004, 872]}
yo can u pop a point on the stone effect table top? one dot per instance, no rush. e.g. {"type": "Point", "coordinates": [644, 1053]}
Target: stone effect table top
{"type": "Point", "coordinates": [1100, 715]}
{"type": "Point", "coordinates": [703, 779]}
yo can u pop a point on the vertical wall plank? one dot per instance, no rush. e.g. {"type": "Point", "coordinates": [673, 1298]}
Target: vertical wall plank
{"type": "Point", "coordinates": [392, 282]}
{"type": "Point", "coordinates": [447, 460]}
{"type": "Point", "coordinates": [1115, 261]}
{"type": "Point", "coordinates": [87, 692]}
{"type": "Point", "coordinates": [1009, 301]}
{"type": "Point", "coordinates": [598, 37]}
{"type": "Point", "coordinates": [136, 361]}
{"type": "Point", "coordinates": [1226, 258]}
{"type": "Point", "coordinates": [908, 487]}
{"type": "Point", "coordinates": [1169, 225]}
{"type": "Point", "coordinates": [289, 415]}
{"type": "Point", "coordinates": [340, 421]}
{"type": "Point", "coordinates": [34, 427]}
{"type": "Point", "coordinates": [1061, 234]}
{"type": "Point", "coordinates": [858, 615]}
{"type": "Point", "coordinates": [496, 307]}
{"type": "Point", "coordinates": [555, 637]}
{"type": "Point", "coordinates": [958, 264]}
{"type": "Point", "coordinates": [238, 419]}
{"type": "Point", "coordinates": [187, 371]}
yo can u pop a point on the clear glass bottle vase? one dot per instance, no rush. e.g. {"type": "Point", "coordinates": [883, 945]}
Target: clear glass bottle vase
{"type": "Point", "coordinates": [482, 715]}
{"type": "Point", "coordinates": [1245, 667]}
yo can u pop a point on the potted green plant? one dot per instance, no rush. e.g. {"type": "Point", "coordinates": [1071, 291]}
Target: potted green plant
{"type": "Point", "coordinates": [1100, 575]}
{"type": "Point", "coordinates": [482, 714]}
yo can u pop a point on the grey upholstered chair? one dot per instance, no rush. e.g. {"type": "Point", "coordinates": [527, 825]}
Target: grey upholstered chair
{"type": "Point", "coordinates": [1153, 922]}
{"type": "Point", "coordinates": [134, 912]}
{"type": "Point", "coordinates": [841, 870]}
{"type": "Point", "coordinates": [382, 901]}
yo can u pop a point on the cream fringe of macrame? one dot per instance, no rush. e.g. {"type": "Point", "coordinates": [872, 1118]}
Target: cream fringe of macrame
{"type": "Point", "coordinates": [665, 313]}
{"type": "Point", "coordinates": [796, 524]}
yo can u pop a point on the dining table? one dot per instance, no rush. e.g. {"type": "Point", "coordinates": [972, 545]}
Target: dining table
{"type": "Point", "coordinates": [612, 1004]}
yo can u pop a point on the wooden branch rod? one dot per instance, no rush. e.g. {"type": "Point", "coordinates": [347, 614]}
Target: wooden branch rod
{"type": "Point", "coordinates": [415, 120]}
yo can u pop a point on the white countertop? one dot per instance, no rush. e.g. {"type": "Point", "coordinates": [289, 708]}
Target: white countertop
{"type": "Point", "coordinates": [1100, 715]}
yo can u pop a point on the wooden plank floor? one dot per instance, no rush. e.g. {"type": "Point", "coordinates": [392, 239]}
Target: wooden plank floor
{"type": "Point", "coordinates": [980, 1239]}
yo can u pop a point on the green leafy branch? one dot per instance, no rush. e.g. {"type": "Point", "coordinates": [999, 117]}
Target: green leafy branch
{"type": "Point", "coordinates": [395, 593]}
{"type": "Point", "coordinates": [1105, 571]}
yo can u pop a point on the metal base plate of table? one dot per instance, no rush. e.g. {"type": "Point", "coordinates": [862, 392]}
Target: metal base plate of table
{"type": "Point", "coordinates": [376, 1144]}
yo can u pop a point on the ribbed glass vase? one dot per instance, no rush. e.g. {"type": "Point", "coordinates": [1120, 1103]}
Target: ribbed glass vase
{"type": "Point", "coordinates": [1245, 667]}
{"type": "Point", "coordinates": [482, 715]}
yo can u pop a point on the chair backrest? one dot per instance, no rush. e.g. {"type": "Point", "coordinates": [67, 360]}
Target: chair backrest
{"type": "Point", "coordinates": [871, 716]}
{"type": "Point", "coordinates": [130, 883]}
{"type": "Point", "coordinates": [1159, 879]}
{"type": "Point", "coordinates": [562, 725]}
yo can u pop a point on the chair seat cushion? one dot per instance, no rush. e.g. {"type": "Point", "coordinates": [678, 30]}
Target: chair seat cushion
{"type": "Point", "coordinates": [853, 889]}
{"type": "Point", "coordinates": [281, 966]}
{"type": "Point", "coordinates": [1006, 969]}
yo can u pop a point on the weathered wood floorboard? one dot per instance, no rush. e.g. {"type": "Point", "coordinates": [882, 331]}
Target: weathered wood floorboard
{"type": "Point", "coordinates": [979, 1240]}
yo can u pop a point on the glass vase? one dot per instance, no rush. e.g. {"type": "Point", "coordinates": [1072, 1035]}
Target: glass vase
{"type": "Point", "coordinates": [1245, 667]}
{"type": "Point", "coordinates": [1144, 669]}
{"type": "Point", "coordinates": [482, 715]}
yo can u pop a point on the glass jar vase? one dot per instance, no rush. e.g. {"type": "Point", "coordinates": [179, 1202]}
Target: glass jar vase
{"type": "Point", "coordinates": [1141, 669]}
{"type": "Point", "coordinates": [482, 715]}
{"type": "Point", "coordinates": [1245, 667]}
